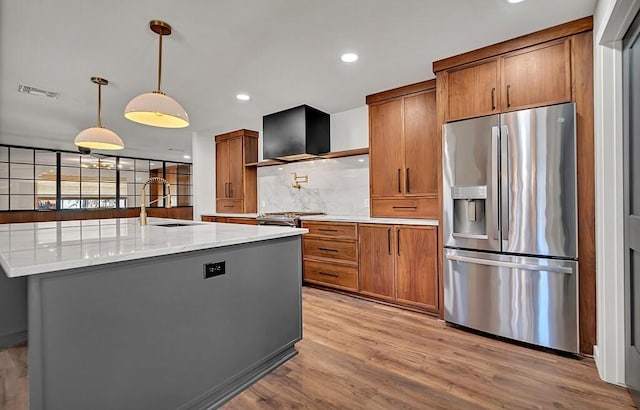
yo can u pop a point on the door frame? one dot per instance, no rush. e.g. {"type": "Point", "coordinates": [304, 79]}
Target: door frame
{"type": "Point", "coordinates": [631, 358]}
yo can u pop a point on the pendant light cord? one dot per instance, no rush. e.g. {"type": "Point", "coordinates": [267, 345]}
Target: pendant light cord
{"type": "Point", "coordinates": [159, 62]}
{"type": "Point", "coordinates": [99, 106]}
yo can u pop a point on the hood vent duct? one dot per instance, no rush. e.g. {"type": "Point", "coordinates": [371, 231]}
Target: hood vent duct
{"type": "Point", "coordinates": [295, 134]}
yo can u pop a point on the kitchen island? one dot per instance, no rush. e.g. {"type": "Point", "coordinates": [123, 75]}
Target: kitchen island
{"type": "Point", "coordinates": [127, 316]}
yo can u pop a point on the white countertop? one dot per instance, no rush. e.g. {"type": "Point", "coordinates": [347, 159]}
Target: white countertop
{"type": "Point", "coordinates": [369, 220]}
{"type": "Point", "coordinates": [345, 218]}
{"type": "Point", "coordinates": [32, 248]}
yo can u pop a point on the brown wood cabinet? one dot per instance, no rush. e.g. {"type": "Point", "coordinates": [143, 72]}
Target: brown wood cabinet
{"type": "Point", "coordinates": [330, 254]}
{"type": "Point", "coordinates": [236, 182]}
{"type": "Point", "coordinates": [473, 90]}
{"type": "Point", "coordinates": [377, 261]}
{"type": "Point", "coordinates": [531, 77]}
{"type": "Point", "coordinates": [403, 157]}
{"type": "Point", "coordinates": [399, 263]}
{"type": "Point", "coordinates": [229, 219]}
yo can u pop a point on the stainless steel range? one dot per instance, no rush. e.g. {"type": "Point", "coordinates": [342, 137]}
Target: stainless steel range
{"type": "Point", "coordinates": [291, 218]}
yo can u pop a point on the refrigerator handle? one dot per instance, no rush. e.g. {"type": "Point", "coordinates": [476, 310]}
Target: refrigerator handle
{"type": "Point", "coordinates": [504, 188]}
{"type": "Point", "coordinates": [513, 265]}
{"type": "Point", "coordinates": [495, 227]}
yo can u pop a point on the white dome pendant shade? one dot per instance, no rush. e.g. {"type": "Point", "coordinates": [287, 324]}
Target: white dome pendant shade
{"type": "Point", "coordinates": [99, 137]}
{"type": "Point", "coordinates": [156, 108]}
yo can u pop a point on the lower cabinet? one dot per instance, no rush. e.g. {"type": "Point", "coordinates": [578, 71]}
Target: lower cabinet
{"type": "Point", "coordinates": [394, 263]}
{"type": "Point", "coordinates": [399, 263]}
{"type": "Point", "coordinates": [330, 254]}
{"type": "Point", "coordinates": [229, 219]}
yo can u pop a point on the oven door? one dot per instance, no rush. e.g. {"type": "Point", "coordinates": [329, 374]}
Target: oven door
{"type": "Point", "coordinates": [532, 300]}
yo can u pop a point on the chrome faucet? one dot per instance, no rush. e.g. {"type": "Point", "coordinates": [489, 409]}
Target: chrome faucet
{"type": "Point", "coordinates": [143, 198]}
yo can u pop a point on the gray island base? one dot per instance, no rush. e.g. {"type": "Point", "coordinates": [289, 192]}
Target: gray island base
{"type": "Point", "coordinates": [153, 333]}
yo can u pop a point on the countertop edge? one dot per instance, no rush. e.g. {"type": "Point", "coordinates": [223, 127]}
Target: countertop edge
{"type": "Point", "coordinates": [58, 266]}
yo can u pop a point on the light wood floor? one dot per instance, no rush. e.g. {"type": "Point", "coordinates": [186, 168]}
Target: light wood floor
{"type": "Point", "coordinates": [361, 355]}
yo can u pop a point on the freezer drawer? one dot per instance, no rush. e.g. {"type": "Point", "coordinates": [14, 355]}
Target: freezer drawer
{"type": "Point", "coordinates": [533, 300]}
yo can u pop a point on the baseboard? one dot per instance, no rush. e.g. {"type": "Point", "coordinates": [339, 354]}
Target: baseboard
{"type": "Point", "coordinates": [221, 394]}
{"type": "Point", "coordinates": [13, 338]}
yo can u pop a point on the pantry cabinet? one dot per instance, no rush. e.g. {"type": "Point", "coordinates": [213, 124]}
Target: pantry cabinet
{"type": "Point", "coordinates": [236, 181]}
{"type": "Point", "coordinates": [403, 158]}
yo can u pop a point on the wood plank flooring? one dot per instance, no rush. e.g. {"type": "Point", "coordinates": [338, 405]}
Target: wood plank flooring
{"type": "Point", "coordinates": [13, 378]}
{"type": "Point", "coordinates": [358, 354]}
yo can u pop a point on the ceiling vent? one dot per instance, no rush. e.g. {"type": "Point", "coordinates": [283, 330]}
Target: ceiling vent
{"type": "Point", "coordinates": [27, 89]}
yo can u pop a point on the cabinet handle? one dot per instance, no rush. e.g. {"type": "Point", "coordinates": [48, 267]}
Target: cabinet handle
{"type": "Point", "coordinates": [389, 240]}
{"type": "Point", "coordinates": [228, 206]}
{"type": "Point", "coordinates": [230, 194]}
{"type": "Point", "coordinates": [404, 207]}
{"type": "Point", "coordinates": [508, 95]}
{"type": "Point", "coordinates": [328, 249]}
{"type": "Point", "coordinates": [398, 241]}
{"type": "Point", "coordinates": [327, 230]}
{"type": "Point", "coordinates": [493, 98]}
{"type": "Point", "coordinates": [335, 275]}
{"type": "Point", "coordinates": [399, 188]}
{"type": "Point", "coordinates": [226, 190]}
{"type": "Point", "coordinates": [406, 177]}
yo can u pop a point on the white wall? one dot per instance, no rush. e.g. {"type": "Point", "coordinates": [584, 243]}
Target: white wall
{"type": "Point", "coordinates": [204, 173]}
{"type": "Point", "coordinates": [350, 129]}
{"type": "Point", "coordinates": [611, 19]}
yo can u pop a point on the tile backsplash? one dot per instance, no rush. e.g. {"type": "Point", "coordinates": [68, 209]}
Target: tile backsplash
{"type": "Point", "coordinates": [337, 186]}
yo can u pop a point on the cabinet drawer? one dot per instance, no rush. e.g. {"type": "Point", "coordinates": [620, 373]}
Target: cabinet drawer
{"type": "Point", "coordinates": [405, 208]}
{"type": "Point", "coordinates": [229, 206]}
{"type": "Point", "coordinates": [324, 248]}
{"type": "Point", "coordinates": [331, 230]}
{"type": "Point", "coordinates": [245, 221]}
{"type": "Point", "coordinates": [206, 218]}
{"type": "Point", "coordinates": [330, 274]}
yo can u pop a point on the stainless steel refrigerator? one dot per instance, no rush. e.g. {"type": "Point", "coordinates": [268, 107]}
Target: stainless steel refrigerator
{"type": "Point", "coordinates": [510, 225]}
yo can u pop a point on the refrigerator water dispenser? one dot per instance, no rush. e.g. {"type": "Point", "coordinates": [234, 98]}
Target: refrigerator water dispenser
{"type": "Point", "coordinates": [469, 211]}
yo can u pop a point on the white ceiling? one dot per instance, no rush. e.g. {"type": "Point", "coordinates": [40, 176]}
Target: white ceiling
{"type": "Point", "coordinates": [282, 52]}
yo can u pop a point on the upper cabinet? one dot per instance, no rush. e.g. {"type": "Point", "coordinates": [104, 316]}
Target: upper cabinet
{"type": "Point", "coordinates": [473, 90]}
{"type": "Point", "coordinates": [530, 77]}
{"type": "Point", "coordinates": [537, 76]}
{"type": "Point", "coordinates": [403, 158]}
{"type": "Point", "coordinates": [236, 182]}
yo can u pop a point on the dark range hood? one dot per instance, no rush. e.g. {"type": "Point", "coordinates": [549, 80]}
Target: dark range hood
{"type": "Point", "coordinates": [294, 134]}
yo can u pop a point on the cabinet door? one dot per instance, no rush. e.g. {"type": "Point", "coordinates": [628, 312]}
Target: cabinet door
{"type": "Point", "coordinates": [386, 150]}
{"type": "Point", "coordinates": [377, 260]}
{"type": "Point", "coordinates": [222, 169]}
{"type": "Point", "coordinates": [236, 168]}
{"type": "Point", "coordinates": [421, 149]}
{"type": "Point", "coordinates": [417, 266]}
{"type": "Point", "coordinates": [473, 91]}
{"type": "Point", "coordinates": [537, 76]}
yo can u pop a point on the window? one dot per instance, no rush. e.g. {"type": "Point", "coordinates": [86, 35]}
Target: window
{"type": "Point", "coordinates": [44, 179]}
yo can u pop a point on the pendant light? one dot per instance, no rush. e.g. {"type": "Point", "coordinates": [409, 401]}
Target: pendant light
{"type": "Point", "coordinates": [99, 137]}
{"type": "Point", "coordinates": [156, 108]}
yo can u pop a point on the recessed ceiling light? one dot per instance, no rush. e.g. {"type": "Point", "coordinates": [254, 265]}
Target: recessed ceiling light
{"type": "Point", "coordinates": [186, 156]}
{"type": "Point", "coordinates": [243, 97]}
{"type": "Point", "coordinates": [515, 1]}
{"type": "Point", "coordinates": [349, 57]}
